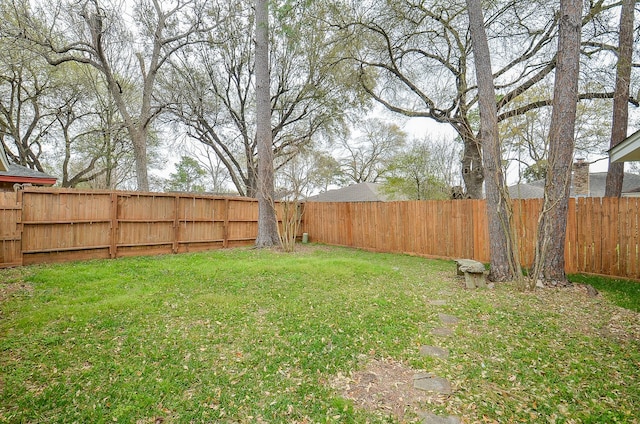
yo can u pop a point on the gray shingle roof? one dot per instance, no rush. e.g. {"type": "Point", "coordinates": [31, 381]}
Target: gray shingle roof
{"type": "Point", "coordinates": [597, 182]}
{"type": "Point", "coordinates": [362, 192]}
{"type": "Point", "coordinates": [22, 171]}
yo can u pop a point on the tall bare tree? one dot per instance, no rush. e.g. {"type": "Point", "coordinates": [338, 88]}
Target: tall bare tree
{"type": "Point", "coordinates": [414, 60]}
{"type": "Point", "coordinates": [27, 104]}
{"type": "Point", "coordinates": [549, 255]}
{"type": "Point", "coordinates": [267, 220]}
{"type": "Point", "coordinates": [615, 173]}
{"type": "Point", "coordinates": [505, 261]}
{"type": "Point", "coordinates": [98, 42]}
{"type": "Point", "coordinates": [367, 158]}
{"type": "Point", "coordinates": [311, 94]}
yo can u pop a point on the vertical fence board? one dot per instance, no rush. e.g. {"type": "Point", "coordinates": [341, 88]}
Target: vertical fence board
{"type": "Point", "coordinates": [613, 231]}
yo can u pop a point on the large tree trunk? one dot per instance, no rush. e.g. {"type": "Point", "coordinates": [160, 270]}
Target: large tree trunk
{"type": "Point", "coordinates": [472, 169]}
{"type": "Point", "coordinates": [267, 223]}
{"type": "Point", "coordinates": [549, 255]}
{"type": "Point", "coordinates": [615, 174]}
{"type": "Point", "coordinates": [505, 262]}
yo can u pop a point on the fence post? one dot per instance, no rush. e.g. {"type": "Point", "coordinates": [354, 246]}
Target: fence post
{"type": "Point", "coordinates": [20, 225]}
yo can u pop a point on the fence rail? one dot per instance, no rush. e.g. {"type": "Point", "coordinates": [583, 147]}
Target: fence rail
{"type": "Point", "coordinates": [602, 233]}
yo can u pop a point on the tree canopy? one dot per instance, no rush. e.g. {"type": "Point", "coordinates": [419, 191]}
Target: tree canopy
{"type": "Point", "coordinates": [88, 90]}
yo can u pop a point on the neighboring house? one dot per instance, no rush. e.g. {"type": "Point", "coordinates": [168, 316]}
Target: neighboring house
{"type": "Point", "coordinates": [362, 192]}
{"type": "Point", "coordinates": [628, 150]}
{"type": "Point", "coordinates": [11, 174]}
{"type": "Point", "coordinates": [581, 186]}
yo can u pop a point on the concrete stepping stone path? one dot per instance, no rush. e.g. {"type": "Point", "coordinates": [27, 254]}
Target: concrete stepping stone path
{"type": "Point", "coordinates": [429, 382]}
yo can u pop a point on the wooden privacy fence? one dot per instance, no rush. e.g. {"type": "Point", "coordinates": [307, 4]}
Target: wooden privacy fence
{"type": "Point", "coordinates": [602, 233]}
{"type": "Point", "coordinates": [52, 225]}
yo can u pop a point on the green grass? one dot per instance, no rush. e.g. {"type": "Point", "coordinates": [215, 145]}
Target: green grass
{"type": "Point", "coordinates": [256, 336]}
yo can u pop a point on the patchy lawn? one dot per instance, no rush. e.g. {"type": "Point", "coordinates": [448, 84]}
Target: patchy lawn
{"type": "Point", "coordinates": [262, 336]}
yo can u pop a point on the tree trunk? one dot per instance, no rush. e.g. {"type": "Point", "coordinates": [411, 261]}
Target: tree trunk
{"type": "Point", "coordinates": [267, 224]}
{"type": "Point", "coordinates": [549, 255]}
{"type": "Point", "coordinates": [615, 173]}
{"type": "Point", "coordinates": [505, 262]}
{"type": "Point", "coordinates": [251, 182]}
{"type": "Point", "coordinates": [472, 169]}
{"type": "Point", "coordinates": [139, 141]}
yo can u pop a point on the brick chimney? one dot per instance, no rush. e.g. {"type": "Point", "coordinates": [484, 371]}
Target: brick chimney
{"type": "Point", "coordinates": [580, 179]}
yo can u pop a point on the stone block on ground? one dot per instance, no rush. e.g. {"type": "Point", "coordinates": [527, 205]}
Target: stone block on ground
{"type": "Point", "coordinates": [475, 280]}
{"type": "Point", "coordinates": [442, 331]}
{"type": "Point", "coordinates": [434, 351]}
{"type": "Point", "coordinates": [430, 418]}
{"type": "Point", "coordinates": [448, 319]}
{"type": "Point", "coordinates": [430, 383]}
{"type": "Point", "coordinates": [473, 271]}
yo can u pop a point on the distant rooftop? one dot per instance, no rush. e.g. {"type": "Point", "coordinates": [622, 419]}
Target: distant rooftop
{"type": "Point", "coordinates": [597, 182]}
{"type": "Point", "coordinates": [362, 192]}
{"type": "Point", "coordinates": [11, 173]}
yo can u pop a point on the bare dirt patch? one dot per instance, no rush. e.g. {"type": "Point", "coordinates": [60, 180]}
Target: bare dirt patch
{"type": "Point", "coordinates": [385, 387]}
{"type": "Point", "coordinates": [624, 325]}
{"type": "Point", "coordinates": [9, 289]}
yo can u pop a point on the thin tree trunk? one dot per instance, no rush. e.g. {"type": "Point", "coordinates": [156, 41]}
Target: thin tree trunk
{"type": "Point", "coordinates": [615, 173]}
{"type": "Point", "coordinates": [267, 224]}
{"type": "Point", "coordinates": [505, 262]}
{"type": "Point", "coordinates": [549, 256]}
{"type": "Point", "coordinates": [139, 141]}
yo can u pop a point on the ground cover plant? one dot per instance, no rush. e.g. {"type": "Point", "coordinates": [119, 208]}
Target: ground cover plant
{"type": "Point", "coordinates": [263, 336]}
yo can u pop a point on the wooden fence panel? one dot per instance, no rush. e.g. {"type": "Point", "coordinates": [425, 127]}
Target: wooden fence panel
{"type": "Point", "coordinates": [242, 222]}
{"type": "Point", "coordinates": [525, 219]}
{"type": "Point", "coordinates": [628, 224]}
{"type": "Point", "coordinates": [610, 250]}
{"type": "Point", "coordinates": [10, 230]}
{"type": "Point", "coordinates": [146, 224]}
{"type": "Point", "coordinates": [602, 235]}
{"type": "Point", "coordinates": [53, 225]}
{"type": "Point", "coordinates": [588, 248]}
{"type": "Point", "coordinates": [480, 231]}
{"type": "Point", "coordinates": [58, 225]}
{"type": "Point", "coordinates": [200, 223]}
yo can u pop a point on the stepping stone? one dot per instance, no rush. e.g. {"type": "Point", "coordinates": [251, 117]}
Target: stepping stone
{"type": "Point", "coordinates": [430, 383]}
{"type": "Point", "coordinates": [429, 418]}
{"type": "Point", "coordinates": [448, 319]}
{"type": "Point", "coordinates": [442, 331]}
{"type": "Point", "coordinates": [438, 302]}
{"type": "Point", "coordinates": [436, 352]}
